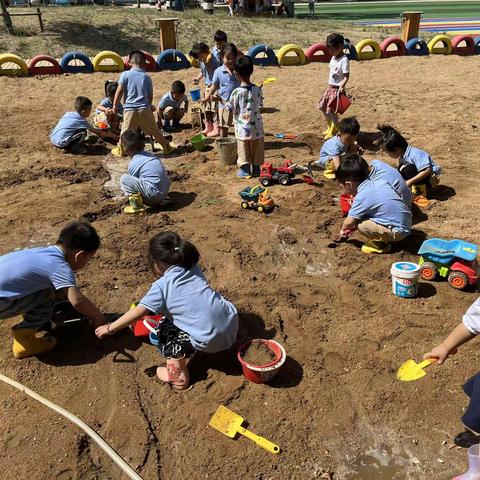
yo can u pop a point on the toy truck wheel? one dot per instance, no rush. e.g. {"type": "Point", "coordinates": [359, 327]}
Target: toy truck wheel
{"type": "Point", "coordinates": [458, 280]}
{"type": "Point", "coordinates": [428, 271]}
{"type": "Point", "coordinates": [244, 205]}
{"type": "Point", "coordinates": [265, 181]}
{"type": "Point", "coordinates": [284, 180]}
{"type": "Point", "coordinates": [260, 209]}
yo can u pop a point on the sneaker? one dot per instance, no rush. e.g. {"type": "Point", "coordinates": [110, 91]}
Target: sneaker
{"type": "Point", "coordinates": [377, 247]}
{"type": "Point", "coordinates": [244, 171]}
{"type": "Point", "coordinates": [255, 170]}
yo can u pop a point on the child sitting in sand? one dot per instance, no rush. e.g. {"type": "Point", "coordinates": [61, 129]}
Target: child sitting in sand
{"type": "Point", "coordinates": [137, 88]}
{"type": "Point", "coordinates": [208, 65]}
{"type": "Point", "coordinates": [172, 107]}
{"type": "Point", "coordinates": [416, 166]}
{"type": "Point", "coordinates": [245, 104]}
{"type": "Point", "coordinates": [71, 132]}
{"type": "Point", "coordinates": [224, 81]}
{"type": "Point", "coordinates": [337, 79]}
{"type": "Point", "coordinates": [342, 143]}
{"type": "Point", "coordinates": [378, 211]}
{"type": "Point", "coordinates": [146, 174]}
{"type": "Point", "coordinates": [104, 117]}
{"type": "Point", "coordinates": [29, 279]}
{"type": "Point", "coordinates": [196, 316]}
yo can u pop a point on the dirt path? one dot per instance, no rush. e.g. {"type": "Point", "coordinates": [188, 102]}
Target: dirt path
{"type": "Point", "coordinates": [332, 309]}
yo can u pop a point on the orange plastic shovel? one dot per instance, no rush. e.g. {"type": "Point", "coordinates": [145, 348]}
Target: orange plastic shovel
{"type": "Point", "coordinates": [411, 370]}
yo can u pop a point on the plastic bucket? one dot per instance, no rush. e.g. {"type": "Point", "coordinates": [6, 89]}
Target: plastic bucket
{"type": "Point", "coordinates": [405, 276]}
{"type": "Point", "coordinates": [227, 150]}
{"type": "Point", "coordinates": [198, 142]}
{"type": "Point", "coordinates": [345, 203]}
{"type": "Point", "coordinates": [149, 323]}
{"type": "Point", "coordinates": [195, 94]}
{"type": "Point", "coordinates": [262, 373]}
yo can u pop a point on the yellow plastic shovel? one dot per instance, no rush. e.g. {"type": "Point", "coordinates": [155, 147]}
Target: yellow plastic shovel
{"type": "Point", "coordinates": [229, 423]}
{"type": "Point", "coordinates": [267, 81]}
{"type": "Point", "coordinates": [411, 370]}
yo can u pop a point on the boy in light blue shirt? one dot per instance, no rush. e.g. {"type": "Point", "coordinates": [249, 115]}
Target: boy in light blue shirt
{"type": "Point", "coordinates": [378, 210]}
{"type": "Point", "coordinates": [197, 318]}
{"type": "Point", "coordinates": [29, 279]}
{"type": "Point", "coordinates": [146, 174]}
{"type": "Point", "coordinates": [104, 117]}
{"type": "Point", "coordinates": [70, 133]}
{"type": "Point", "coordinates": [172, 107]}
{"type": "Point", "coordinates": [137, 89]}
{"type": "Point", "coordinates": [220, 40]}
{"type": "Point", "coordinates": [382, 171]}
{"type": "Point", "coordinates": [333, 149]}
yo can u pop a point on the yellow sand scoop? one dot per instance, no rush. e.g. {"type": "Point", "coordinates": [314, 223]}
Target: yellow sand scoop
{"type": "Point", "coordinates": [411, 370]}
{"type": "Point", "coordinates": [267, 81]}
{"type": "Point", "coordinates": [229, 423]}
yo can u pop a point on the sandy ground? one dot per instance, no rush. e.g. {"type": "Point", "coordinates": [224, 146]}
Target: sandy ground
{"type": "Point", "coordinates": [332, 309]}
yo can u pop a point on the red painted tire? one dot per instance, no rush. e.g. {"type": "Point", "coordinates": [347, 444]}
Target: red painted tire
{"type": "Point", "coordinates": [312, 53]}
{"type": "Point", "coordinates": [151, 63]}
{"type": "Point", "coordinates": [469, 47]}
{"type": "Point", "coordinates": [399, 52]}
{"type": "Point", "coordinates": [53, 69]}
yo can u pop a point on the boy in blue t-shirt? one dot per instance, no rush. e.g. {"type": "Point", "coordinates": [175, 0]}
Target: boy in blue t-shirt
{"type": "Point", "coordinates": [104, 118]}
{"type": "Point", "coordinates": [220, 40]}
{"type": "Point", "coordinates": [29, 279]}
{"type": "Point", "coordinates": [378, 211]}
{"type": "Point", "coordinates": [383, 171]}
{"type": "Point", "coordinates": [146, 174]}
{"type": "Point", "coordinates": [72, 129]}
{"type": "Point", "coordinates": [342, 143]}
{"type": "Point", "coordinates": [137, 89]}
{"type": "Point", "coordinates": [172, 107]}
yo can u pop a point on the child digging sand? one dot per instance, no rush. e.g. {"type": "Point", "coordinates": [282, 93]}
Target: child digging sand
{"type": "Point", "coordinates": [70, 133]}
{"type": "Point", "coordinates": [146, 174]}
{"type": "Point", "coordinates": [137, 88]}
{"type": "Point", "coordinates": [104, 117]}
{"type": "Point", "coordinates": [378, 211]}
{"type": "Point", "coordinates": [245, 104]}
{"type": "Point", "coordinates": [337, 79]}
{"type": "Point", "coordinates": [29, 279]}
{"type": "Point", "coordinates": [196, 317]}
{"type": "Point", "coordinates": [172, 107]}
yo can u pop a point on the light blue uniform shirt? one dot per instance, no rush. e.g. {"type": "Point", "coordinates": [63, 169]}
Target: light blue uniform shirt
{"type": "Point", "coordinates": [382, 171]}
{"type": "Point", "coordinates": [333, 147]}
{"type": "Point", "coordinates": [379, 202]}
{"type": "Point", "coordinates": [149, 168]}
{"type": "Point", "coordinates": [34, 269]}
{"type": "Point", "coordinates": [186, 299]}
{"type": "Point", "coordinates": [217, 54]}
{"type": "Point", "coordinates": [67, 127]}
{"type": "Point", "coordinates": [138, 89]}
{"type": "Point", "coordinates": [107, 103]}
{"type": "Point", "coordinates": [168, 101]}
{"type": "Point", "coordinates": [208, 69]}
{"type": "Point", "coordinates": [420, 159]}
{"type": "Point", "coordinates": [226, 82]}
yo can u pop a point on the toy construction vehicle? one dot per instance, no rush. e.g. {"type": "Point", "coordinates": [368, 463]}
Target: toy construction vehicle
{"type": "Point", "coordinates": [257, 198]}
{"type": "Point", "coordinates": [284, 174]}
{"type": "Point", "coordinates": [452, 259]}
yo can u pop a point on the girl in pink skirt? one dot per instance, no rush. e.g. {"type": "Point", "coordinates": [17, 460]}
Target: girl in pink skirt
{"type": "Point", "coordinates": [337, 79]}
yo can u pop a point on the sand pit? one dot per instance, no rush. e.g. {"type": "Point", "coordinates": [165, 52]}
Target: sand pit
{"type": "Point", "coordinates": [336, 401]}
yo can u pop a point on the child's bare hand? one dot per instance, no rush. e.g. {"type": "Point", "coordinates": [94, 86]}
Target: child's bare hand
{"type": "Point", "coordinates": [441, 352]}
{"type": "Point", "coordinates": [109, 111]}
{"type": "Point", "coordinates": [103, 331]}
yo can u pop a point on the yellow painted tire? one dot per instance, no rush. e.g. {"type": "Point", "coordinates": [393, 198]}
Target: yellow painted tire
{"type": "Point", "coordinates": [373, 54]}
{"type": "Point", "coordinates": [193, 62]}
{"type": "Point", "coordinates": [119, 66]}
{"type": "Point", "coordinates": [298, 59]}
{"type": "Point", "coordinates": [445, 49]}
{"type": "Point", "coordinates": [22, 69]}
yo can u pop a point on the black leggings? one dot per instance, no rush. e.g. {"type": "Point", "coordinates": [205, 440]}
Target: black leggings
{"type": "Point", "coordinates": [408, 171]}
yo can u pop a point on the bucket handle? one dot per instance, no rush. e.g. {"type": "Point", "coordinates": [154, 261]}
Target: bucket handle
{"type": "Point", "coordinates": [147, 324]}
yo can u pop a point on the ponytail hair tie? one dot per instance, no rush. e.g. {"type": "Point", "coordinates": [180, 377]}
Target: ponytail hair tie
{"type": "Point", "coordinates": [177, 249]}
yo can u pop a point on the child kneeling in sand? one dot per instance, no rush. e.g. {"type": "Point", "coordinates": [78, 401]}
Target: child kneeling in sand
{"type": "Point", "coordinates": [29, 279]}
{"type": "Point", "coordinates": [378, 211]}
{"type": "Point", "coordinates": [196, 317]}
{"type": "Point", "coordinates": [146, 174]}
{"type": "Point", "coordinates": [172, 107]}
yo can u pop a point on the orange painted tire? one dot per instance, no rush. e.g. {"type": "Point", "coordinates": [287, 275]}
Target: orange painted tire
{"type": "Point", "coordinates": [398, 52]}
{"type": "Point", "coordinates": [312, 53]}
{"type": "Point", "coordinates": [458, 280]}
{"type": "Point", "coordinates": [468, 49]}
{"type": "Point", "coordinates": [53, 69]}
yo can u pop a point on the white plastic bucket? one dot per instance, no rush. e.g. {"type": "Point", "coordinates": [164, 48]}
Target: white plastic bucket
{"type": "Point", "coordinates": [405, 277]}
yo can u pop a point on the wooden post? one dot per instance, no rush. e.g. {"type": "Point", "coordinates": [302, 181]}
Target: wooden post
{"type": "Point", "coordinates": [40, 18]}
{"type": "Point", "coordinates": [7, 20]}
{"type": "Point", "coordinates": [167, 29]}
{"type": "Point", "coordinates": [410, 25]}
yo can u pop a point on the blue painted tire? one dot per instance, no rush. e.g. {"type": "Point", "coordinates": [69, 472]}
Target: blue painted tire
{"type": "Point", "coordinates": [269, 61]}
{"type": "Point", "coordinates": [87, 66]}
{"type": "Point", "coordinates": [171, 59]}
{"type": "Point", "coordinates": [477, 45]}
{"type": "Point", "coordinates": [351, 51]}
{"type": "Point", "coordinates": [412, 49]}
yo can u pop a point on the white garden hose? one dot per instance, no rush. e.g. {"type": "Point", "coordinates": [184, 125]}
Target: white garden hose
{"type": "Point", "coordinates": [91, 433]}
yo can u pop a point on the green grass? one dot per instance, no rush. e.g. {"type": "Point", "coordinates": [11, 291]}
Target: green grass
{"type": "Point", "coordinates": [92, 29]}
